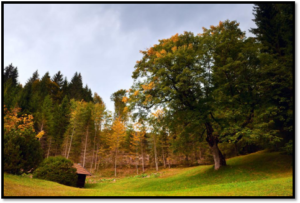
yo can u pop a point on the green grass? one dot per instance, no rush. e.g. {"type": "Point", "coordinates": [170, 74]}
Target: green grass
{"type": "Point", "coordinates": [257, 174]}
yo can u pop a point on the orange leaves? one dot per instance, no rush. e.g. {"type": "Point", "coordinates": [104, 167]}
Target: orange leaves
{"type": "Point", "coordinates": [138, 62]}
{"type": "Point", "coordinates": [125, 99]}
{"type": "Point", "coordinates": [26, 122]}
{"type": "Point", "coordinates": [163, 52]}
{"type": "Point", "coordinates": [130, 90]}
{"type": "Point", "coordinates": [136, 93]}
{"type": "Point", "coordinates": [125, 109]}
{"type": "Point", "coordinates": [158, 55]}
{"type": "Point", "coordinates": [150, 51]}
{"type": "Point", "coordinates": [118, 134]}
{"type": "Point", "coordinates": [174, 49]}
{"type": "Point", "coordinates": [150, 86]}
{"type": "Point", "coordinates": [139, 134]}
{"type": "Point", "coordinates": [148, 99]}
{"type": "Point", "coordinates": [190, 47]}
{"type": "Point", "coordinates": [221, 24]}
{"type": "Point", "coordinates": [118, 127]}
{"type": "Point", "coordinates": [159, 113]}
{"type": "Point", "coordinates": [175, 38]}
{"type": "Point", "coordinates": [12, 121]}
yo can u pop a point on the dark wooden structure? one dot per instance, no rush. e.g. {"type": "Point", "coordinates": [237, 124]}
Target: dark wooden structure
{"type": "Point", "coordinates": [81, 173]}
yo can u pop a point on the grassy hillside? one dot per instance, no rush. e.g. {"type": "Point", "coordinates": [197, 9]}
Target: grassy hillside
{"type": "Point", "coordinates": [257, 174]}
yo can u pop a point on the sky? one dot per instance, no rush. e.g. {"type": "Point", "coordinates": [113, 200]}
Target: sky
{"type": "Point", "coordinates": [101, 41]}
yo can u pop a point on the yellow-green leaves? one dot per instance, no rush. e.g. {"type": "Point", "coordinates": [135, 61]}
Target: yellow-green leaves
{"type": "Point", "coordinates": [118, 134]}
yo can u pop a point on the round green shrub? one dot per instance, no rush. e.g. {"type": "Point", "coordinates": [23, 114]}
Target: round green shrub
{"type": "Point", "coordinates": [22, 152]}
{"type": "Point", "coordinates": [57, 169]}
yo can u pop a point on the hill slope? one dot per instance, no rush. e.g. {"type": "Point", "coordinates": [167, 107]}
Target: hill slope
{"type": "Point", "coordinates": [257, 174]}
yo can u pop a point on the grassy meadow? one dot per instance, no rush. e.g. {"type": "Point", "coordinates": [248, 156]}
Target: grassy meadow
{"type": "Point", "coordinates": [258, 174]}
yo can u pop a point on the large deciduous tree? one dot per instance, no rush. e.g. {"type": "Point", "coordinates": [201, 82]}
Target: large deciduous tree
{"type": "Point", "coordinates": [211, 79]}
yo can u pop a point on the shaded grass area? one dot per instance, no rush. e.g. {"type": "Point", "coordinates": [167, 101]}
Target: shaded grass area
{"type": "Point", "coordinates": [257, 174]}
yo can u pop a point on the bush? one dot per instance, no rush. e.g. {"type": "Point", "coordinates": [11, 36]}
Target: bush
{"type": "Point", "coordinates": [57, 169]}
{"type": "Point", "coordinates": [22, 151]}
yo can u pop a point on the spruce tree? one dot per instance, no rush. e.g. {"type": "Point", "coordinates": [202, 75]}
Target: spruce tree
{"type": "Point", "coordinates": [75, 87]}
{"type": "Point", "coordinates": [275, 31]}
{"type": "Point", "coordinates": [58, 79]}
{"type": "Point", "coordinates": [11, 86]}
{"type": "Point", "coordinates": [11, 73]}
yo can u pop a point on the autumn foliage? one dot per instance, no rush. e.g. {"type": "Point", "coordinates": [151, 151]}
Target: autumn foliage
{"type": "Point", "coordinates": [22, 151]}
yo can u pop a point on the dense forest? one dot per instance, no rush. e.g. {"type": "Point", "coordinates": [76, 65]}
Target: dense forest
{"type": "Point", "coordinates": [195, 99]}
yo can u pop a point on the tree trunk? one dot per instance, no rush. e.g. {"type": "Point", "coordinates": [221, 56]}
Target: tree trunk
{"type": "Point", "coordinates": [98, 162]}
{"type": "Point", "coordinates": [96, 159]}
{"type": "Point", "coordinates": [84, 153]}
{"type": "Point", "coordinates": [155, 153]}
{"type": "Point", "coordinates": [143, 164]}
{"type": "Point", "coordinates": [94, 149]}
{"type": "Point", "coordinates": [129, 162]}
{"type": "Point", "coordinates": [70, 143]}
{"type": "Point", "coordinates": [212, 140]}
{"type": "Point", "coordinates": [137, 161]}
{"type": "Point", "coordinates": [116, 164]}
{"type": "Point", "coordinates": [163, 154]}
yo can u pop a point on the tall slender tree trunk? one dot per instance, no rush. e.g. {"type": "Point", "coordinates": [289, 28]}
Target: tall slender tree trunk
{"type": "Point", "coordinates": [143, 164]}
{"type": "Point", "coordinates": [70, 143]}
{"type": "Point", "coordinates": [137, 162]}
{"type": "Point", "coordinates": [98, 163]}
{"type": "Point", "coordinates": [155, 153]}
{"type": "Point", "coordinates": [96, 159]}
{"type": "Point", "coordinates": [86, 137]}
{"type": "Point", "coordinates": [116, 163]}
{"type": "Point", "coordinates": [164, 158]}
{"type": "Point", "coordinates": [212, 140]}
{"type": "Point", "coordinates": [94, 149]}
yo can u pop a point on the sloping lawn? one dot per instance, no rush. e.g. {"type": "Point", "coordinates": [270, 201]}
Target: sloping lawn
{"type": "Point", "coordinates": [258, 174]}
